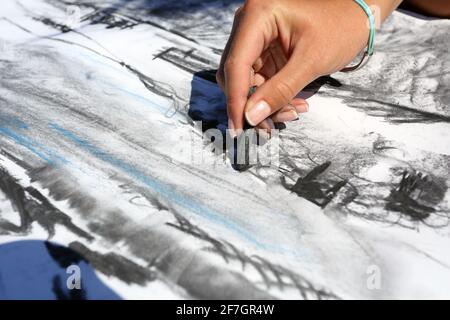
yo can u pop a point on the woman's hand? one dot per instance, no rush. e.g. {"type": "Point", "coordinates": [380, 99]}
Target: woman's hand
{"type": "Point", "coordinates": [281, 46]}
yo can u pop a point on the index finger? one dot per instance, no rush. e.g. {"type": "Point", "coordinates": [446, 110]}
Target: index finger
{"type": "Point", "coordinates": [246, 47]}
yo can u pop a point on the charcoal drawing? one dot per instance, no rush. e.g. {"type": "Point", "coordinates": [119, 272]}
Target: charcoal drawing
{"type": "Point", "coordinates": [92, 111]}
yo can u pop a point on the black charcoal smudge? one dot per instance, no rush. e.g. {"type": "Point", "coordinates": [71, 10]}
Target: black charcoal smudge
{"type": "Point", "coordinates": [32, 206]}
{"type": "Point", "coordinates": [112, 264]}
{"type": "Point", "coordinates": [316, 189]}
{"type": "Point", "coordinates": [416, 195]}
{"type": "Point", "coordinates": [149, 244]}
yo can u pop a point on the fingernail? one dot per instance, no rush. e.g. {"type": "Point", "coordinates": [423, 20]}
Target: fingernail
{"type": "Point", "coordinates": [294, 115]}
{"type": "Point", "coordinates": [265, 128]}
{"type": "Point", "coordinates": [286, 116]}
{"type": "Point", "coordinates": [264, 134]}
{"type": "Point", "coordinates": [258, 113]}
{"type": "Point", "coordinates": [271, 124]}
{"type": "Point", "coordinates": [231, 128]}
{"type": "Point", "coordinates": [302, 107]}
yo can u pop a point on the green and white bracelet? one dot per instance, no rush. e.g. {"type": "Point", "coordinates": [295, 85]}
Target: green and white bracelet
{"type": "Point", "coordinates": [370, 44]}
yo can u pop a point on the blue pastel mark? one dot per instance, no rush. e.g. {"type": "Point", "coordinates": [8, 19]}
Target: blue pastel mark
{"type": "Point", "coordinates": [10, 127]}
{"type": "Point", "coordinates": [124, 71]}
{"type": "Point", "coordinates": [133, 95]}
{"type": "Point", "coordinates": [38, 149]}
{"type": "Point", "coordinates": [160, 188]}
{"type": "Point", "coordinates": [11, 121]}
{"type": "Point", "coordinates": [112, 65]}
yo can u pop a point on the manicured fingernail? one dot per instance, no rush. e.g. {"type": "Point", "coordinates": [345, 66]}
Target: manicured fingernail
{"type": "Point", "coordinates": [258, 113]}
{"type": "Point", "coordinates": [264, 134]}
{"type": "Point", "coordinates": [290, 115]}
{"type": "Point", "coordinates": [265, 128]}
{"type": "Point", "coordinates": [302, 107]}
{"type": "Point", "coordinates": [268, 124]}
{"type": "Point", "coordinates": [231, 129]}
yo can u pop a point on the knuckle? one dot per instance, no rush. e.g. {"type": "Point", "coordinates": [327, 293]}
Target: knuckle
{"type": "Point", "coordinates": [229, 65]}
{"type": "Point", "coordinates": [253, 3]}
{"type": "Point", "coordinates": [238, 12]}
{"type": "Point", "coordinates": [313, 68]}
{"type": "Point", "coordinates": [284, 90]}
{"type": "Point", "coordinates": [260, 5]}
{"type": "Point", "coordinates": [219, 76]}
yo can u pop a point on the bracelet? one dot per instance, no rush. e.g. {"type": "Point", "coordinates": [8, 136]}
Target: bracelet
{"type": "Point", "coordinates": [370, 44]}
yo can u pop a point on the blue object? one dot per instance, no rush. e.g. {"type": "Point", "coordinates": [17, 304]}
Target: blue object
{"type": "Point", "coordinates": [40, 270]}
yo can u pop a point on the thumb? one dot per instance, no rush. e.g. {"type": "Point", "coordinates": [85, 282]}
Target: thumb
{"type": "Point", "coordinates": [279, 90]}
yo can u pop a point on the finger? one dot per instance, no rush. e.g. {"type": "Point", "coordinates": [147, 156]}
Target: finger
{"type": "Point", "coordinates": [265, 128]}
{"type": "Point", "coordinates": [271, 61]}
{"type": "Point", "coordinates": [278, 56]}
{"type": "Point", "coordinates": [269, 68]}
{"type": "Point", "coordinates": [258, 79]}
{"type": "Point", "coordinates": [285, 114]}
{"type": "Point", "coordinates": [259, 63]}
{"type": "Point", "coordinates": [220, 77]}
{"type": "Point", "coordinates": [262, 60]}
{"type": "Point", "coordinates": [301, 105]}
{"type": "Point", "coordinates": [279, 90]}
{"type": "Point", "coordinates": [248, 44]}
